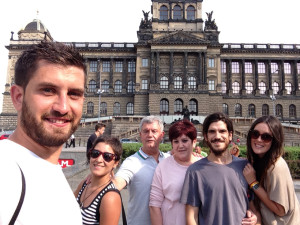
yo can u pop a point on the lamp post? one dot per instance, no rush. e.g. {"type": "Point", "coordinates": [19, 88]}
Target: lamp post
{"type": "Point", "coordinates": [273, 98]}
{"type": "Point", "coordinates": [99, 110]}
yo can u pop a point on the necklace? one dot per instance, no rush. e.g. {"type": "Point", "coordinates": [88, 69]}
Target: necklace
{"type": "Point", "coordinates": [85, 198]}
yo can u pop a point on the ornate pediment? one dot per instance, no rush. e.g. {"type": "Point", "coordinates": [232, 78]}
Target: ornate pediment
{"type": "Point", "coordinates": [179, 37]}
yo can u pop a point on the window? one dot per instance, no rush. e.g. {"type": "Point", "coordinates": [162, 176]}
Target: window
{"type": "Point", "coordinates": [248, 67]}
{"type": "Point", "coordinates": [178, 106]}
{"type": "Point", "coordinates": [131, 67]}
{"type": "Point", "coordinates": [292, 111]}
{"type": "Point", "coordinates": [105, 86]}
{"type": "Point", "coordinates": [144, 84]}
{"type": "Point", "coordinates": [236, 88]}
{"type": "Point", "coordinates": [193, 107]}
{"type": "Point", "coordinates": [261, 67]}
{"type": "Point", "coordinates": [223, 67]}
{"type": "Point", "coordinates": [178, 83]}
{"type": "Point", "coordinates": [164, 107]}
{"type": "Point", "coordinates": [119, 67]}
{"type": "Point", "coordinates": [211, 63]}
{"type": "Point", "coordinates": [117, 109]}
{"type": "Point", "coordinates": [287, 68]}
{"type": "Point", "coordinates": [164, 83]}
{"type": "Point", "coordinates": [145, 63]}
{"type": "Point", "coordinates": [238, 109]}
{"type": "Point", "coordinates": [118, 86]}
{"type": "Point", "coordinates": [103, 108]}
{"type": "Point", "coordinates": [177, 15]}
{"type": "Point", "coordinates": [192, 83]}
{"type": "Point", "coordinates": [275, 87]}
{"type": "Point", "coordinates": [288, 87]}
{"type": "Point", "coordinates": [262, 88]}
{"type": "Point", "coordinates": [211, 85]}
{"type": "Point", "coordinates": [93, 66]}
{"type": "Point", "coordinates": [251, 110]}
{"type": "Point", "coordinates": [163, 13]}
{"type": "Point", "coordinates": [225, 108]}
{"type": "Point", "coordinates": [92, 86]}
{"type": "Point", "coordinates": [106, 66]}
{"type": "Point", "coordinates": [130, 87]}
{"type": "Point", "coordinates": [90, 108]}
{"type": "Point", "coordinates": [265, 110]}
{"type": "Point", "coordinates": [274, 68]}
{"type": "Point", "coordinates": [235, 67]}
{"type": "Point", "coordinates": [190, 12]}
{"type": "Point", "coordinates": [249, 88]}
{"type": "Point", "coordinates": [224, 88]}
{"type": "Point", "coordinates": [129, 109]}
{"type": "Point", "coordinates": [278, 110]}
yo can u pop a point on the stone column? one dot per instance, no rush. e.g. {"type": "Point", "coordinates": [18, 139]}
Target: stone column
{"type": "Point", "coordinates": [124, 71]}
{"type": "Point", "coordinates": [269, 77]}
{"type": "Point", "coordinates": [157, 68]}
{"type": "Point", "coordinates": [171, 67]}
{"type": "Point", "coordinates": [229, 75]}
{"type": "Point", "coordinates": [185, 64]}
{"type": "Point", "coordinates": [98, 74]}
{"type": "Point", "coordinates": [295, 75]}
{"type": "Point", "coordinates": [111, 73]}
{"type": "Point", "coordinates": [243, 77]}
{"type": "Point", "coordinates": [205, 69]}
{"type": "Point", "coordinates": [152, 69]}
{"type": "Point", "coordinates": [256, 89]}
{"type": "Point", "coordinates": [200, 68]}
{"type": "Point", "coordinates": [282, 74]}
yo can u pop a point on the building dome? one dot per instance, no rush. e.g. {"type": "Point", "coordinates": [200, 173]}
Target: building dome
{"type": "Point", "coordinates": [35, 25]}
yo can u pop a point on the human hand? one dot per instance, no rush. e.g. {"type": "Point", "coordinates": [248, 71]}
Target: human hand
{"type": "Point", "coordinates": [249, 173]}
{"type": "Point", "coordinates": [250, 219]}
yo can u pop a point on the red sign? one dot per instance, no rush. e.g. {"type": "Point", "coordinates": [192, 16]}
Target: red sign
{"type": "Point", "coordinates": [66, 162]}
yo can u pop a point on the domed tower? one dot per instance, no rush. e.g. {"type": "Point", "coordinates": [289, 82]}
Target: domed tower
{"type": "Point", "coordinates": [35, 30]}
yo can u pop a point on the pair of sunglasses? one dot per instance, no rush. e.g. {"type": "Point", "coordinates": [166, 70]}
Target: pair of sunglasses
{"type": "Point", "coordinates": [106, 155]}
{"type": "Point", "coordinates": [265, 136]}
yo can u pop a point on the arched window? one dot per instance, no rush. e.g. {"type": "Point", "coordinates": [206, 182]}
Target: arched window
{"type": "Point", "coordinates": [103, 108]}
{"type": "Point", "coordinates": [275, 87]}
{"type": "Point", "coordinates": [164, 82]}
{"type": "Point", "coordinates": [265, 110]}
{"type": "Point", "coordinates": [262, 88]}
{"type": "Point", "coordinates": [292, 111]}
{"type": "Point", "coordinates": [92, 86]}
{"type": "Point", "coordinates": [190, 12]}
{"type": "Point", "coordinates": [235, 88]}
{"type": "Point", "coordinates": [224, 88]}
{"type": "Point", "coordinates": [251, 110]}
{"type": "Point", "coordinates": [117, 109]}
{"type": "Point", "coordinates": [177, 13]}
{"type": "Point", "coordinates": [129, 108]}
{"type": "Point", "coordinates": [278, 110]}
{"type": "Point", "coordinates": [225, 108]}
{"type": "Point", "coordinates": [118, 86]}
{"type": "Point", "coordinates": [163, 13]}
{"type": "Point", "coordinates": [178, 83]}
{"type": "Point", "coordinates": [90, 108]}
{"type": "Point", "coordinates": [178, 106]}
{"type": "Point", "coordinates": [288, 87]}
{"type": "Point", "coordinates": [105, 86]}
{"type": "Point", "coordinates": [238, 109]}
{"type": "Point", "coordinates": [193, 107]}
{"type": "Point", "coordinates": [249, 88]}
{"type": "Point", "coordinates": [164, 107]}
{"type": "Point", "coordinates": [192, 83]}
{"type": "Point", "coordinates": [130, 87]}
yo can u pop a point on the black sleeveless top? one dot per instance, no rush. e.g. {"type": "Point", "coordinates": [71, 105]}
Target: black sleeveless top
{"type": "Point", "coordinates": [90, 214]}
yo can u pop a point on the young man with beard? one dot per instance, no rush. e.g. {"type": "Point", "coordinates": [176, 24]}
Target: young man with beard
{"type": "Point", "coordinates": [48, 95]}
{"type": "Point", "coordinates": [215, 191]}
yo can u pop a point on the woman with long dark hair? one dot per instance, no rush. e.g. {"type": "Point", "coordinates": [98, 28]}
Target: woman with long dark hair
{"type": "Point", "coordinates": [268, 174]}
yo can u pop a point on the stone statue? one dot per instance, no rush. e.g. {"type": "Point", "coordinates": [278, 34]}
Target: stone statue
{"type": "Point", "coordinates": [146, 15]}
{"type": "Point", "coordinates": [186, 113]}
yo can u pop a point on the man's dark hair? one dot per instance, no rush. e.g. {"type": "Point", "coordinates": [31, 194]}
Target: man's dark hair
{"type": "Point", "coordinates": [99, 126]}
{"type": "Point", "coordinates": [215, 117]}
{"type": "Point", "coordinates": [51, 52]}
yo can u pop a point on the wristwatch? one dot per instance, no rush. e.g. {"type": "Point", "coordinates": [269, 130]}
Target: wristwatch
{"type": "Point", "coordinates": [255, 186]}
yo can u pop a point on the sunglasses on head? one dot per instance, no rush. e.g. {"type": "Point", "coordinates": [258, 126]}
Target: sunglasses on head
{"type": "Point", "coordinates": [106, 155]}
{"type": "Point", "coordinates": [265, 136]}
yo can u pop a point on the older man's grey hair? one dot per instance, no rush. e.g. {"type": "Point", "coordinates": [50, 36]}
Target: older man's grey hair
{"type": "Point", "coordinates": [152, 119]}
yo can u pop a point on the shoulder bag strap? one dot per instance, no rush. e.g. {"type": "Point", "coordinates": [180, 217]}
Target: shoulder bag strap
{"type": "Point", "coordinates": [15, 215]}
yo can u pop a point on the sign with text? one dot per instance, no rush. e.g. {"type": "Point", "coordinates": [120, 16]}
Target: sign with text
{"type": "Point", "coordinates": [66, 162]}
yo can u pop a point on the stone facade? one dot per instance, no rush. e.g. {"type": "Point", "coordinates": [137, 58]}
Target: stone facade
{"type": "Point", "coordinates": [177, 62]}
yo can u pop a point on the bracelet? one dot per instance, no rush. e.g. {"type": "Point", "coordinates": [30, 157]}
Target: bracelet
{"type": "Point", "coordinates": [254, 185]}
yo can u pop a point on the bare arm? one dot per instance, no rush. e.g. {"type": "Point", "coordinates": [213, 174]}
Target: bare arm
{"type": "Point", "coordinates": [260, 192]}
{"type": "Point", "coordinates": [155, 215]}
{"type": "Point", "coordinates": [191, 214]}
{"type": "Point", "coordinates": [119, 182]}
{"type": "Point", "coordinates": [76, 192]}
{"type": "Point", "coordinates": [110, 209]}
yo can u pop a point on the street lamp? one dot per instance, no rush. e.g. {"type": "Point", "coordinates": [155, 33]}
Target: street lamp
{"type": "Point", "coordinates": [99, 92]}
{"type": "Point", "coordinates": [273, 98]}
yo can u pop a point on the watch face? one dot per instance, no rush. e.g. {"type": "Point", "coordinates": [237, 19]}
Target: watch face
{"type": "Point", "coordinates": [256, 186]}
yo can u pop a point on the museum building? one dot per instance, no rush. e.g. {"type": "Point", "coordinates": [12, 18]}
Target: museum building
{"type": "Point", "coordinates": [177, 61]}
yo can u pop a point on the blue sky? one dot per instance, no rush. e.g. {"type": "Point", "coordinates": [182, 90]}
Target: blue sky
{"type": "Point", "coordinates": [239, 21]}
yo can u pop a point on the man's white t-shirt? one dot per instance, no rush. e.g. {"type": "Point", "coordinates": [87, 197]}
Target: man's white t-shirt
{"type": "Point", "coordinates": [48, 199]}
